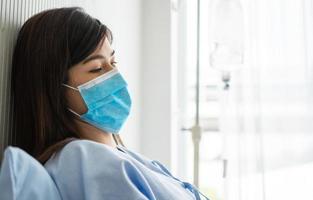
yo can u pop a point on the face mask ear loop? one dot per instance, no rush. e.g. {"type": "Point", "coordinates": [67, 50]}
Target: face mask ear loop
{"type": "Point", "coordinates": [70, 87]}
{"type": "Point", "coordinates": [72, 111]}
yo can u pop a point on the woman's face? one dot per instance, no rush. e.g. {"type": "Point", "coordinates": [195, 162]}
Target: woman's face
{"type": "Point", "coordinates": [99, 62]}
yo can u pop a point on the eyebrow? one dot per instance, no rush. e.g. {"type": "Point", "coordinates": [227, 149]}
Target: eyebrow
{"type": "Point", "coordinates": [97, 56]}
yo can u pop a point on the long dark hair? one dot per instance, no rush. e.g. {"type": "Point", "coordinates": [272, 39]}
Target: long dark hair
{"type": "Point", "coordinates": [48, 44]}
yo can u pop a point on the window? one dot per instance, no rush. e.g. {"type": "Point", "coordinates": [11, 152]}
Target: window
{"type": "Point", "coordinates": [257, 137]}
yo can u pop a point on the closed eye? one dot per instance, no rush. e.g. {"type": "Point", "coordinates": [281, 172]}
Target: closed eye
{"type": "Point", "coordinates": [96, 69]}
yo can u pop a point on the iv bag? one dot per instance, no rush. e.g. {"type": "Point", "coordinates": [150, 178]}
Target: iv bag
{"type": "Point", "coordinates": [227, 35]}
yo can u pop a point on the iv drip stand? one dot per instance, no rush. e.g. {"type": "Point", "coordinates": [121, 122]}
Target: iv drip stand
{"type": "Point", "coordinates": [196, 129]}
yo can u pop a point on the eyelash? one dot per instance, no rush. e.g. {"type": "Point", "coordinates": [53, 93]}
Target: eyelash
{"type": "Point", "coordinates": [100, 68]}
{"type": "Point", "coordinates": [96, 70]}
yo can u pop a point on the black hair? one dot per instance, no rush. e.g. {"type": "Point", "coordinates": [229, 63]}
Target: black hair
{"type": "Point", "coordinates": [48, 44]}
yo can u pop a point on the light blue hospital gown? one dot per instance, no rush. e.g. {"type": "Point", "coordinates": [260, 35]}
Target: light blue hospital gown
{"type": "Point", "coordinates": [87, 170]}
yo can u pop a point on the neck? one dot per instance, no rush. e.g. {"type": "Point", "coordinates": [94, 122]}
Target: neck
{"type": "Point", "coordinates": [89, 132]}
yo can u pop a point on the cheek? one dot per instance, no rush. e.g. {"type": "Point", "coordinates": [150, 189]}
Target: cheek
{"type": "Point", "coordinates": [75, 101]}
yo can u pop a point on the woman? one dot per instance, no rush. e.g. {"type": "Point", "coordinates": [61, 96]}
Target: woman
{"type": "Point", "coordinates": [70, 102]}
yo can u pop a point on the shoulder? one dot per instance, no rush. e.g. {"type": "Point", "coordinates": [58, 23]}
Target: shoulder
{"type": "Point", "coordinates": [86, 147]}
{"type": "Point", "coordinates": [86, 153]}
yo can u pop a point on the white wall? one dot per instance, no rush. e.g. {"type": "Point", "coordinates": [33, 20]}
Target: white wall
{"type": "Point", "coordinates": [156, 81]}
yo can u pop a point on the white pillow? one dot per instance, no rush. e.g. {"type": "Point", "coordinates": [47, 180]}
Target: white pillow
{"type": "Point", "coordinates": [23, 177]}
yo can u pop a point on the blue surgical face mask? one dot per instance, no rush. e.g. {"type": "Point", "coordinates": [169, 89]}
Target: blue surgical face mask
{"type": "Point", "coordinates": [107, 100]}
